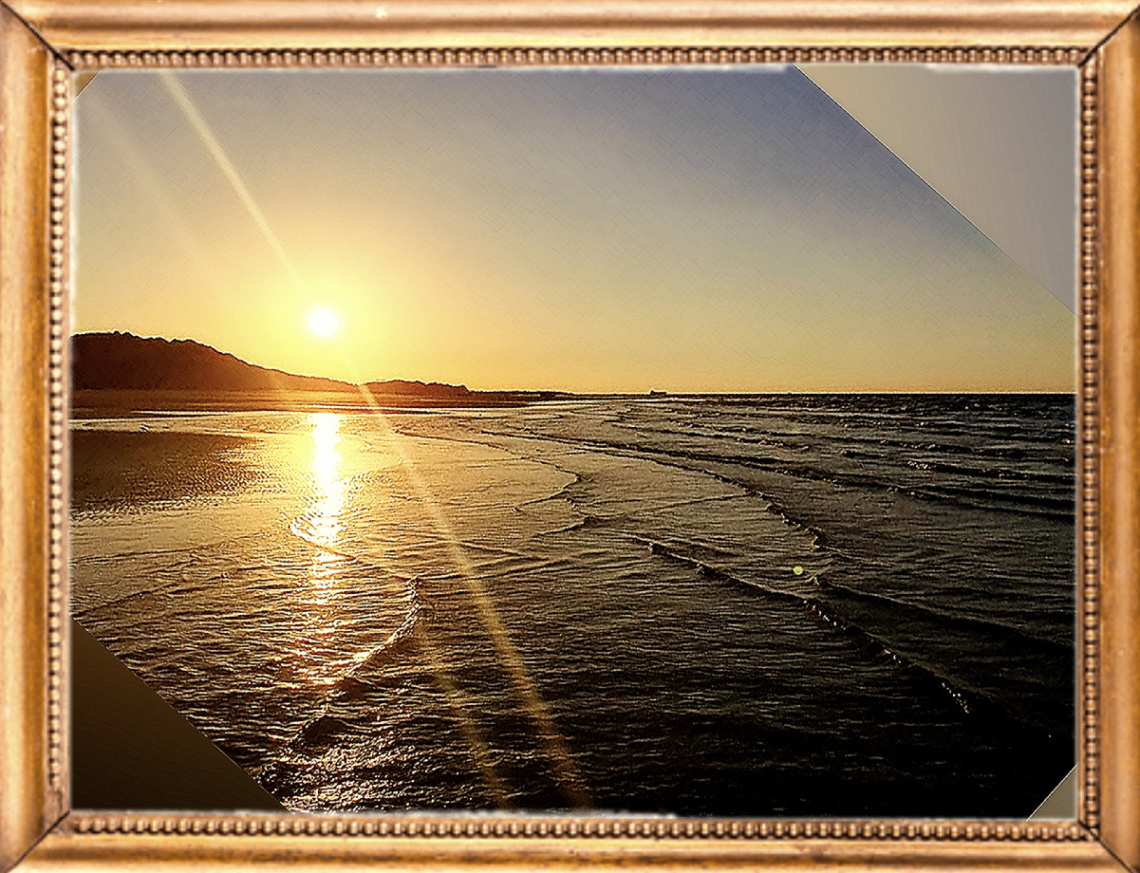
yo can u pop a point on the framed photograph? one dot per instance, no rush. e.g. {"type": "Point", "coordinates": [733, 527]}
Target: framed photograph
{"type": "Point", "coordinates": [601, 434]}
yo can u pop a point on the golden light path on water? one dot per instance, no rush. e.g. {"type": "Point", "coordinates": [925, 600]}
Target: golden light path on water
{"type": "Point", "coordinates": [320, 525]}
{"type": "Point", "coordinates": [570, 782]}
{"type": "Point", "coordinates": [329, 491]}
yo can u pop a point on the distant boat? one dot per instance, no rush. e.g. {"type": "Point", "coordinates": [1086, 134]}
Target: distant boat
{"type": "Point", "coordinates": [658, 393]}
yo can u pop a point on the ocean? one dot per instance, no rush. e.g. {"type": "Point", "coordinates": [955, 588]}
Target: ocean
{"type": "Point", "coordinates": [769, 605]}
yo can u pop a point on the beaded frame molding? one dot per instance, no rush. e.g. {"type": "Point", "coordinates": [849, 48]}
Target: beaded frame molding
{"type": "Point", "coordinates": [43, 42]}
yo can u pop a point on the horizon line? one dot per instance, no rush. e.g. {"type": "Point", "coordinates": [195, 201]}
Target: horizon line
{"type": "Point", "coordinates": [350, 386]}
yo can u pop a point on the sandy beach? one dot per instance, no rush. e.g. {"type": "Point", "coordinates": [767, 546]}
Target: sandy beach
{"type": "Point", "coordinates": [729, 606]}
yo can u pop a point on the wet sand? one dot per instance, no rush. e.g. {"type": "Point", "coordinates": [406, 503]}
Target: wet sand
{"type": "Point", "coordinates": [130, 749]}
{"type": "Point", "coordinates": [134, 469]}
{"type": "Point", "coordinates": [102, 403]}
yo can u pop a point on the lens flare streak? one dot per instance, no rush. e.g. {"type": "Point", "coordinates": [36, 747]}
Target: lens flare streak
{"type": "Point", "coordinates": [572, 787]}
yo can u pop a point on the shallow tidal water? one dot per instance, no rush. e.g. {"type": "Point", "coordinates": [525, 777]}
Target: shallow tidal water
{"type": "Point", "coordinates": [854, 605]}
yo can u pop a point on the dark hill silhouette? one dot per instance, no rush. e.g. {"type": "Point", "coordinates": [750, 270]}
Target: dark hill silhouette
{"type": "Point", "coordinates": [125, 362]}
{"type": "Point", "coordinates": [402, 387]}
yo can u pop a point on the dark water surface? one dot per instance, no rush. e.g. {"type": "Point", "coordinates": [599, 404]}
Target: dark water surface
{"type": "Point", "coordinates": [771, 605]}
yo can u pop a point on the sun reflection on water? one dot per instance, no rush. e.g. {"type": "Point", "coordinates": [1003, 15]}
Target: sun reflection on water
{"type": "Point", "coordinates": [319, 660]}
{"type": "Point", "coordinates": [327, 502]}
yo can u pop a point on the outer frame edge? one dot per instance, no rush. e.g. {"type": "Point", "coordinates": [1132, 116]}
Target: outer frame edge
{"type": "Point", "coordinates": [30, 797]}
{"type": "Point", "coordinates": [301, 850]}
{"type": "Point", "coordinates": [249, 24]}
{"type": "Point", "coordinates": [1118, 720]}
{"type": "Point", "coordinates": [1119, 54]}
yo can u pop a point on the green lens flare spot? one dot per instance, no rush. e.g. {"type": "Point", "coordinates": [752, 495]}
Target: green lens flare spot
{"type": "Point", "coordinates": [798, 570]}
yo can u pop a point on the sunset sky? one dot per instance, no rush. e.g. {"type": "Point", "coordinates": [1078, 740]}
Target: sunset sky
{"type": "Point", "coordinates": [685, 230]}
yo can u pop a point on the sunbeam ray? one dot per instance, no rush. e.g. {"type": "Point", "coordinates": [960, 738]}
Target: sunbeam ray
{"type": "Point", "coordinates": [524, 686]}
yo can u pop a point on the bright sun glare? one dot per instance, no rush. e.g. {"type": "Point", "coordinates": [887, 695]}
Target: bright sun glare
{"type": "Point", "coordinates": [323, 322]}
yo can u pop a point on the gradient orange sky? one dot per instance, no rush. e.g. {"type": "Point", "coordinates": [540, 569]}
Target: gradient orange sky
{"type": "Point", "coordinates": [686, 230]}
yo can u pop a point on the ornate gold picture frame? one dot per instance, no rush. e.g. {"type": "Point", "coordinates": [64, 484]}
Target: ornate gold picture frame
{"type": "Point", "coordinates": [42, 42]}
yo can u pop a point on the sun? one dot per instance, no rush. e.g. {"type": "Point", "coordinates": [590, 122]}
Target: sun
{"type": "Point", "coordinates": [323, 322]}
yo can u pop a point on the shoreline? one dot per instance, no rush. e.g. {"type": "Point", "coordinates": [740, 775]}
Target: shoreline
{"type": "Point", "coordinates": [91, 403]}
{"type": "Point", "coordinates": [100, 403]}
